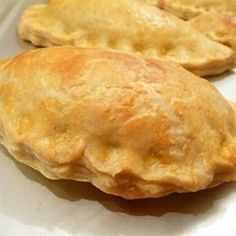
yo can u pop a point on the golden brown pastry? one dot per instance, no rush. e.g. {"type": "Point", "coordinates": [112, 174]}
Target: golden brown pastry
{"type": "Point", "coordinates": [132, 127]}
{"type": "Point", "coordinates": [128, 26]}
{"type": "Point", "coordinates": [220, 28]}
{"type": "Point", "coordinates": [150, 2]}
{"type": "Point", "coordinates": [187, 9]}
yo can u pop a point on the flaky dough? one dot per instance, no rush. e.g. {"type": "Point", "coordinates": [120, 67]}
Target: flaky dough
{"type": "Point", "coordinates": [187, 9]}
{"type": "Point", "coordinates": [129, 26]}
{"type": "Point", "coordinates": [218, 27]}
{"type": "Point", "coordinates": [132, 127]}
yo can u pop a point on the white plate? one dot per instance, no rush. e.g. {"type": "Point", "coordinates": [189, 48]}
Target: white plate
{"type": "Point", "coordinates": [32, 205]}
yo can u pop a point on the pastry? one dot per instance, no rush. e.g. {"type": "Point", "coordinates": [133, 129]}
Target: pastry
{"type": "Point", "coordinates": [129, 26]}
{"type": "Point", "coordinates": [149, 2]}
{"type": "Point", "coordinates": [220, 28]}
{"type": "Point", "coordinates": [186, 9]}
{"type": "Point", "coordinates": [133, 127]}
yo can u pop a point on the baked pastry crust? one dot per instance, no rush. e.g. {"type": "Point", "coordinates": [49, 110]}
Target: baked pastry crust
{"type": "Point", "coordinates": [150, 2]}
{"type": "Point", "coordinates": [129, 26]}
{"type": "Point", "coordinates": [187, 9]}
{"type": "Point", "coordinates": [132, 127]}
{"type": "Point", "coordinates": [217, 27]}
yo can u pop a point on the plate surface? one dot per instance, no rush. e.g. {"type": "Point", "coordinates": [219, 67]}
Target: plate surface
{"type": "Point", "coordinates": [32, 205]}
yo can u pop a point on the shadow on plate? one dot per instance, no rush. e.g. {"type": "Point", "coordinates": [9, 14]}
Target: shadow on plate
{"type": "Point", "coordinates": [220, 77]}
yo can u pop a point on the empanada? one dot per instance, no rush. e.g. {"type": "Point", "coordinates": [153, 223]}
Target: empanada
{"type": "Point", "coordinates": [186, 9]}
{"type": "Point", "coordinates": [129, 26]}
{"type": "Point", "coordinates": [220, 28]}
{"type": "Point", "coordinates": [132, 127]}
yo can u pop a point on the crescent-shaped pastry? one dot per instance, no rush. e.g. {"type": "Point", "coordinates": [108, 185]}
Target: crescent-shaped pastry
{"type": "Point", "coordinates": [129, 26]}
{"type": "Point", "coordinates": [220, 28]}
{"type": "Point", "coordinates": [186, 9]}
{"type": "Point", "coordinates": [132, 127]}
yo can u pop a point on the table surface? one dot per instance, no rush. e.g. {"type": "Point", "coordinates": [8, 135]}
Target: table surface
{"type": "Point", "coordinates": [33, 205]}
